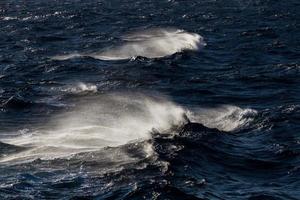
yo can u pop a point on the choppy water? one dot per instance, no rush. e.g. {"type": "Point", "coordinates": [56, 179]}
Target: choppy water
{"type": "Point", "coordinates": [149, 99]}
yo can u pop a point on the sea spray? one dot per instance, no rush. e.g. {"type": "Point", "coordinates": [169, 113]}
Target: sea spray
{"type": "Point", "coordinates": [152, 43]}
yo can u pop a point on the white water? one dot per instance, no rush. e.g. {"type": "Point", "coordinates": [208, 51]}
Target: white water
{"type": "Point", "coordinates": [117, 119]}
{"type": "Point", "coordinates": [77, 88]}
{"type": "Point", "coordinates": [224, 118]}
{"type": "Point", "coordinates": [153, 43]}
{"type": "Point", "coordinates": [108, 120]}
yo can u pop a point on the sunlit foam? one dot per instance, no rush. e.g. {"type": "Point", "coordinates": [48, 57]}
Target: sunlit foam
{"type": "Point", "coordinates": [118, 119]}
{"type": "Point", "coordinates": [77, 88]}
{"type": "Point", "coordinates": [225, 118]}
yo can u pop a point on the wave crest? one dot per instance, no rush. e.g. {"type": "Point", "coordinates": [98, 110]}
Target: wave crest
{"type": "Point", "coordinates": [224, 118]}
{"type": "Point", "coordinates": [117, 119]}
{"type": "Point", "coordinates": [152, 43]}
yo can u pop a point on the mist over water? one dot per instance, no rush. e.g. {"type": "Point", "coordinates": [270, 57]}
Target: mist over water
{"type": "Point", "coordinates": [111, 120]}
{"type": "Point", "coordinates": [152, 43]}
{"type": "Point", "coordinates": [103, 100]}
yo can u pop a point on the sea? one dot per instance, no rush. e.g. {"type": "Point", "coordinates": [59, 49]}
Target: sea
{"type": "Point", "coordinates": [150, 99]}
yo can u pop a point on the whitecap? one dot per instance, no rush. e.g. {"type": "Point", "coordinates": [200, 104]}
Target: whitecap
{"type": "Point", "coordinates": [79, 88]}
{"type": "Point", "coordinates": [117, 119]}
{"type": "Point", "coordinates": [108, 120]}
{"type": "Point", "coordinates": [66, 57]}
{"type": "Point", "coordinates": [224, 118]}
{"type": "Point", "coordinates": [152, 43]}
{"type": "Point", "coordinates": [9, 18]}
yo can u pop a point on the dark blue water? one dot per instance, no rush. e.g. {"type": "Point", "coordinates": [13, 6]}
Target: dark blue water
{"type": "Point", "coordinates": [217, 122]}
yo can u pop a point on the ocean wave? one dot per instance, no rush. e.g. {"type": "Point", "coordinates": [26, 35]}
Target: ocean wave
{"type": "Point", "coordinates": [8, 18]}
{"type": "Point", "coordinates": [224, 118]}
{"type": "Point", "coordinates": [152, 43]}
{"type": "Point", "coordinates": [30, 17]}
{"type": "Point", "coordinates": [108, 120]}
{"type": "Point", "coordinates": [56, 92]}
{"type": "Point", "coordinates": [77, 88]}
{"type": "Point", "coordinates": [118, 119]}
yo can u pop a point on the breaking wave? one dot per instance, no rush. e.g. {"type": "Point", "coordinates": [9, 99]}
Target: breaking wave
{"type": "Point", "coordinates": [117, 119]}
{"type": "Point", "coordinates": [224, 118]}
{"type": "Point", "coordinates": [77, 88]}
{"type": "Point", "coordinates": [152, 43]}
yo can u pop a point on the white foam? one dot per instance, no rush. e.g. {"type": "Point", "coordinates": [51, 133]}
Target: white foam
{"type": "Point", "coordinates": [152, 43]}
{"type": "Point", "coordinates": [224, 118]}
{"type": "Point", "coordinates": [117, 119]}
{"type": "Point", "coordinates": [66, 57]}
{"type": "Point", "coordinates": [78, 88]}
{"type": "Point", "coordinates": [109, 120]}
{"type": "Point", "coordinates": [9, 18]}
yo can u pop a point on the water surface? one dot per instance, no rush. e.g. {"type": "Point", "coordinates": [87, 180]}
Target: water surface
{"type": "Point", "coordinates": [149, 99]}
